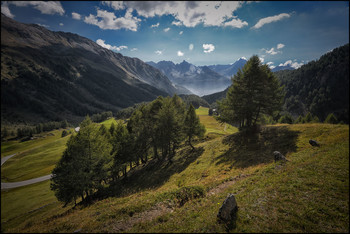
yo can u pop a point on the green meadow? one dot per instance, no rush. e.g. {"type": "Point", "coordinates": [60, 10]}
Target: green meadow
{"type": "Point", "coordinates": [309, 193]}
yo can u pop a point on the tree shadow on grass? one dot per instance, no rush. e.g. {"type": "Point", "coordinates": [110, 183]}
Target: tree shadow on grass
{"type": "Point", "coordinates": [156, 172]}
{"type": "Point", "coordinates": [256, 148]}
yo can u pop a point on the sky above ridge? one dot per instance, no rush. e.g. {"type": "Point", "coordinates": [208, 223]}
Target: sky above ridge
{"type": "Point", "coordinates": [202, 33]}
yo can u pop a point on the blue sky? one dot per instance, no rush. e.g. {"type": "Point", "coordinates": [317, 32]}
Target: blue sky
{"type": "Point", "coordinates": [202, 33]}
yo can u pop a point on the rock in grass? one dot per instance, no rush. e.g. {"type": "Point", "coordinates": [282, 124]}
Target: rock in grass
{"type": "Point", "coordinates": [278, 156]}
{"type": "Point", "coordinates": [228, 209]}
{"type": "Point", "coordinates": [314, 143]}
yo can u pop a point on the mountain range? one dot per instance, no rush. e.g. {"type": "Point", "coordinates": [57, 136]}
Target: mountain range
{"type": "Point", "coordinates": [200, 80]}
{"type": "Point", "coordinates": [48, 75]}
{"type": "Point", "coordinates": [229, 70]}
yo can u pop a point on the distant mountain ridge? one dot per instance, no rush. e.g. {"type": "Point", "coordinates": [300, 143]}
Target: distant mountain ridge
{"type": "Point", "coordinates": [199, 80]}
{"type": "Point", "coordinates": [50, 75]}
{"type": "Point", "coordinates": [229, 70]}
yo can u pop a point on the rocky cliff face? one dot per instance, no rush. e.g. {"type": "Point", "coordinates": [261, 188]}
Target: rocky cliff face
{"type": "Point", "coordinates": [43, 72]}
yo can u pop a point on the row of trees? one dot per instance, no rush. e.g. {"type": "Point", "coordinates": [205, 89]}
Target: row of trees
{"type": "Point", "coordinates": [97, 157]}
{"type": "Point", "coordinates": [100, 117]}
{"type": "Point", "coordinates": [28, 131]}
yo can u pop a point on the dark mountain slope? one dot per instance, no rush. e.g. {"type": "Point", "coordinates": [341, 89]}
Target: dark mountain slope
{"type": "Point", "coordinates": [49, 75]}
{"type": "Point", "coordinates": [320, 87]}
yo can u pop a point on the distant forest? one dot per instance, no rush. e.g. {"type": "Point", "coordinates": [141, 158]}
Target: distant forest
{"type": "Point", "coordinates": [320, 87]}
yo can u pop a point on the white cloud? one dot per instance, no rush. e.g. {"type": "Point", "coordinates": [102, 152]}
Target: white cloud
{"type": "Point", "coordinates": [236, 23]}
{"type": "Point", "coordinates": [108, 20]}
{"type": "Point", "coordinates": [159, 52]}
{"type": "Point", "coordinates": [61, 24]}
{"type": "Point", "coordinates": [280, 46]}
{"type": "Point", "coordinates": [110, 47]}
{"type": "Point", "coordinates": [155, 25]}
{"type": "Point", "coordinates": [6, 11]}
{"type": "Point", "coordinates": [43, 25]}
{"type": "Point", "coordinates": [208, 48]}
{"type": "Point", "coordinates": [190, 47]}
{"type": "Point", "coordinates": [272, 67]}
{"type": "Point", "coordinates": [133, 49]}
{"type": "Point", "coordinates": [116, 5]}
{"type": "Point", "coordinates": [191, 13]}
{"type": "Point", "coordinates": [270, 19]}
{"type": "Point", "coordinates": [166, 29]}
{"type": "Point", "coordinates": [180, 33]}
{"type": "Point", "coordinates": [261, 59]}
{"type": "Point", "coordinates": [176, 23]}
{"type": "Point", "coordinates": [295, 65]}
{"type": "Point", "coordinates": [269, 63]}
{"type": "Point", "coordinates": [49, 7]}
{"type": "Point", "coordinates": [179, 53]}
{"type": "Point", "coordinates": [76, 16]}
{"type": "Point", "coordinates": [271, 51]}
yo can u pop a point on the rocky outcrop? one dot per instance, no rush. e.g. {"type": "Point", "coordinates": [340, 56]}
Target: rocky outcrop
{"type": "Point", "coordinates": [227, 211]}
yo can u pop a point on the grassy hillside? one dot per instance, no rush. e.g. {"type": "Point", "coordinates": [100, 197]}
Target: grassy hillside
{"type": "Point", "coordinates": [33, 158]}
{"type": "Point", "coordinates": [310, 193]}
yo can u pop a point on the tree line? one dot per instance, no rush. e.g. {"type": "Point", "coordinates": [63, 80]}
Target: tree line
{"type": "Point", "coordinates": [97, 157]}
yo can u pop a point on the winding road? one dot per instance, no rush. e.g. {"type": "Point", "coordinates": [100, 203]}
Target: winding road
{"type": "Point", "coordinates": [21, 183]}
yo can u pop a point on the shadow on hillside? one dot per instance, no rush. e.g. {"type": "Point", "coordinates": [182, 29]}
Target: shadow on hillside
{"type": "Point", "coordinates": [156, 172]}
{"type": "Point", "coordinates": [253, 149]}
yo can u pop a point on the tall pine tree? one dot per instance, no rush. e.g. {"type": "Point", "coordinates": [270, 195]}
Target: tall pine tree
{"type": "Point", "coordinates": [255, 91]}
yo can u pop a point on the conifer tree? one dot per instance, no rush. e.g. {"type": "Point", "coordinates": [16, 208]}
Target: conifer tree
{"type": "Point", "coordinates": [331, 119]}
{"type": "Point", "coordinates": [192, 125]}
{"type": "Point", "coordinates": [255, 91]}
{"type": "Point", "coordinates": [85, 165]}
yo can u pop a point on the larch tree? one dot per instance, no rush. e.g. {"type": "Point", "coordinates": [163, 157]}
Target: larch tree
{"type": "Point", "coordinates": [254, 91]}
{"type": "Point", "coordinates": [192, 125]}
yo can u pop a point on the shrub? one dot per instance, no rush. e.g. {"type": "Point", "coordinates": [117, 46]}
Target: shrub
{"type": "Point", "coordinates": [188, 193]}
{"type": "Point", "coordinates": [331, 119]}
{"type": "Point", "coordinates": [286, 119]}
{"type": "Point", "coordinates": [64, 133]}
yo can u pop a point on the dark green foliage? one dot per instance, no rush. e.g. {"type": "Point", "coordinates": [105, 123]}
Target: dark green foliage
{"type": "Point", "coordinates": [195, 100]}
{"type": "Point", "coordinates": [308, 118]}
{"type": "Point", "coordinates": [286, 119]}
{"type": "Point", "coordinates": [319, 87]}
{"type": "Point", "coordinates": [299, 119]}
{"type": "Point", "coordinates": [331, 119]}
{"type": "Point", "coordinates": [85, 165]}
{"type": "Point", "coordinates": [255, 91]}
{"type": "Point", "coordinates": [64, 133]}
{"type": "Point", "coordinates": [100, 117]}
{"type": "Point", "coordinates": [192, 125]}
{"type": "Point", "coordinates": [112, 129]}
{"type": "Point", "coordinates": [127, 112]}
{"type": "Point", "coordinates": [185, 194]}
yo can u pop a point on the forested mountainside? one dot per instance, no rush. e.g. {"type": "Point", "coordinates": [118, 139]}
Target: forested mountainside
{"type": "Point", "coordinates": [320, 87]}
{"type": "Point", "coordinates": [48, 75]}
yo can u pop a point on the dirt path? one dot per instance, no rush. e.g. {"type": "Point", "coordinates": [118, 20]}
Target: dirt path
{"type": "Point", "coordinates": [148, 215]}
{"type": "Point", "coordinates": [4, 159]}
{"type": "Point", "coordinates": [162, 208]}
{"type": "Point", "coordinates": [21, 183]}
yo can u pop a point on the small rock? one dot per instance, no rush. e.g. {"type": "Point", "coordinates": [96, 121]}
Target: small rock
{"type": "Point", "coordinates": [314, 143]}
{"type": "Point", "coordinates": [228, 209]}
{"type": "Point", "coordinates": [279, 156]}
{"type": "Point", "coordinates": [78, 230]}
